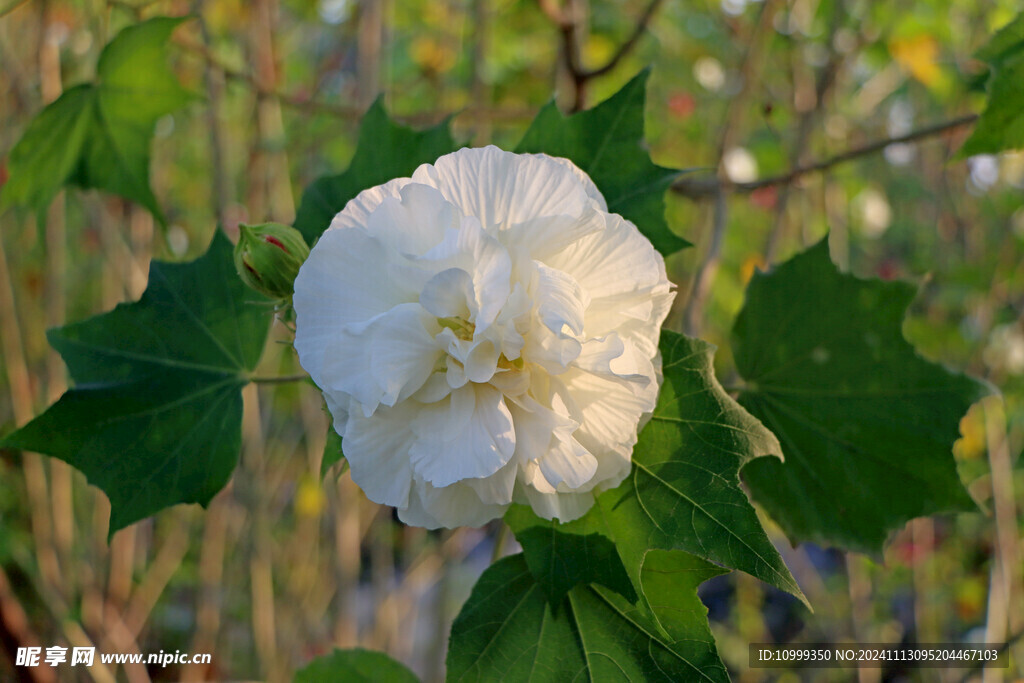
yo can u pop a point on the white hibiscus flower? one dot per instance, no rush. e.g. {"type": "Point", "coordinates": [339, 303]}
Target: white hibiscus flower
{"type": "Point", "coordinates": [484, 332]}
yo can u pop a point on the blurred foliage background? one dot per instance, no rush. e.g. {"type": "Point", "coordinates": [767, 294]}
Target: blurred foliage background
{"type": "Point", "coordinates": [867, 101]}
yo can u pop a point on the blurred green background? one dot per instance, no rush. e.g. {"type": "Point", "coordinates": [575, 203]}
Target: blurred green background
{"type": "Point", "coordinates": [282, 568]}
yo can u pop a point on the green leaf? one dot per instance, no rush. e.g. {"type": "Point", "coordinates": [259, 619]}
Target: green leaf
{"type": "Point", "coordinates": [683, 492]}
{"type": "Point", "coordinates": [508, 630]}
{"type": "Point", "coordinates": [332, 452]}
{"type": "Point", "coordinates": [1007, 42]}
{"type": "Point", "coordinates": [355, 666]}
{"type": "Point", "coordinates": [607, 143]}
{"type": "Point", "coordinates": [562, 559]}
{"type": "Point", "coordinates": [866, 424]}
{"type": "Point", "coordinates": [385, 150]}
{"type": "Point", "coordinates": [154, 418]}
{"type": "Point", "coordinates": [1001, 125]}
{"type": "Point", "coordinates": [96, 135]}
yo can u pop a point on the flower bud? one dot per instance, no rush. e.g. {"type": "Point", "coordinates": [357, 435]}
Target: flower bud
{"type": "Point", "coordinates": [268, 256]}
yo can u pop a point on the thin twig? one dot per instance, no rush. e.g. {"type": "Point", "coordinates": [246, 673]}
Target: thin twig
{"type": "Point", "coordinates": [823, 84]}
{"type": "Point", "coordinates": [694, 188]}
{"type": "Point", "coordinates": [567, 23]}
{"type": "Point", "coordinates": [704, 276]}
{"type": "Point", "coordinates": [708, 268]}
{"type": "Point", "coordinates": [351, 112]}
{"type": "Point", "coordinates": [638, 31]}
{"type": "Point", "coordinates": [212, 82]}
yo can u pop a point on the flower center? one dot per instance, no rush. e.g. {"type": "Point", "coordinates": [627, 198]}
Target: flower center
{"type": "Point", "coordinates": [462, 328]}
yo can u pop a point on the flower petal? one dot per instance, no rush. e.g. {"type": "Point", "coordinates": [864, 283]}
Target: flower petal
{"type": "Point", "coordinates": [568, 463]}
{"type": "Point", "coordinates": [451, 447]}
{"type": "Point", "coordinates": [384, 360]}
{"type": "Point", "coordinates": [496, 489]}
{"type": "Point", "coordinates": [560, 300]}
{"type": "Point", "coordinates": [447, 294]}
{"type": "Point", "coordinates": [403, 351]}
{"type": "Point", "coordinates": [376, 449]}
{"type": "Point", "coordinates": [501, 188]}
{"type": "Point", "coordinates": [359, 208]}
{"type": "Point", "coordinates": [544, 236]}
{"type": "Point", "coordinates": [611, 409]}
{"type": "Point", "coordinates": [348, 278]}
{"type": "Point", "coordinates": [564, 507]}
{"type": "Point", "coordinates": [450, 506]}
{"type": "Point", "coordinates": [476, 252]}
{"type": "Point", "coordinates": [481, 361]}
{"type": "Point", "coordinates": [615, 260]}
{"type": "Point", "coordinates": [413, 222]}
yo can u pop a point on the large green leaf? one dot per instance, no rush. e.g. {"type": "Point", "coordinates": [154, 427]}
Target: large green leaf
{"type": "Point", "coordinates": [385, 150]}
{"type": "Point", "coordinates": [355, 666]}
{"type": "Point", "coordinates": [96, 135]}
{"type": "Point", "coordinates": [607, 143]}
{"type": "Point", "coordinates": [683, 492]}
{"type": "Point", "coordinates": [508, 630]}
{"type": "Point", "coordinates": [1007, 42]}
{"type": "Point", "coordinates": [562, 557]}
{"type": "Point", "coordinates": [866, 424]}
{"type": "Point", "coordinates": [154, 418]}
{"type": "Point", "coordinates": [1001, 125]}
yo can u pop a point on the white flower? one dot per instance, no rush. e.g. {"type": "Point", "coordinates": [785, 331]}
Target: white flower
{"type": "Point", "coordinates": [484, 332]}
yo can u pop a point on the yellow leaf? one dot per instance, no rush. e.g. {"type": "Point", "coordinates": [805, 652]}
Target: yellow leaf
{"type": "Point", "coordinates": [918, 55]}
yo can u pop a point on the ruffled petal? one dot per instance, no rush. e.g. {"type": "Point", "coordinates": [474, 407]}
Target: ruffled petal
{"type": "Point", "coordinates": [403, 351]}
{"type": "Point", "coordinates": [384, 360]}
{"type": "Point", "coordinates": [471, 249]}
{"type": "Point", "coordinates": [414, 221]}
{"type": "Point", "coordinates": [376, 449]}
{"type": "Point", "coordinates": [447, 294]}
{"type": "Point", "coordinates": [501, 188]}
{"type": "Point", "coordinates": [561, 302]}
{"type": "Point", "coordinates": [564, 507]}
{"type": "Point", "coordinates": [450, 506]}
{"type": "Point", "coordinates": [611, 409]}
{"type": "Point", "coordinates": [358, 209]}
{"type": "Point", "coordinates": [496, 489]}
{"type": "Point", "coordinates": [348, 278]}
{"type": "Point", "coordinates": [567, 463]}
{"type": "Point", "coordinates": [467, 436]}
{"type": "Point", "coordinates": [612, 261]}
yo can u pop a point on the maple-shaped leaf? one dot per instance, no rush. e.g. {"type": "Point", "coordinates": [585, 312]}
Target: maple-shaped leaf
{"type": "Point", "coordinates": [385, 150]}
{"type": "Point", "coordinates": [866, 425]}
{"type": "Point", "coordinates": [682, 494]}
{"type": "Point", "coordinates": [607, 142]}
{"type": "Point", "coordinates": [509, 630]}
{"type": "Point", "coordinates": [154, 417]}
{"type": "Point", "coordinates": [1001, 125]}
{"type": "Point", "coordinates": [97, 135]}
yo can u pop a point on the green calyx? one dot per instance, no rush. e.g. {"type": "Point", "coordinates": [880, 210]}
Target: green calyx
{"type": "Point", "coordinates": [268, 257]}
